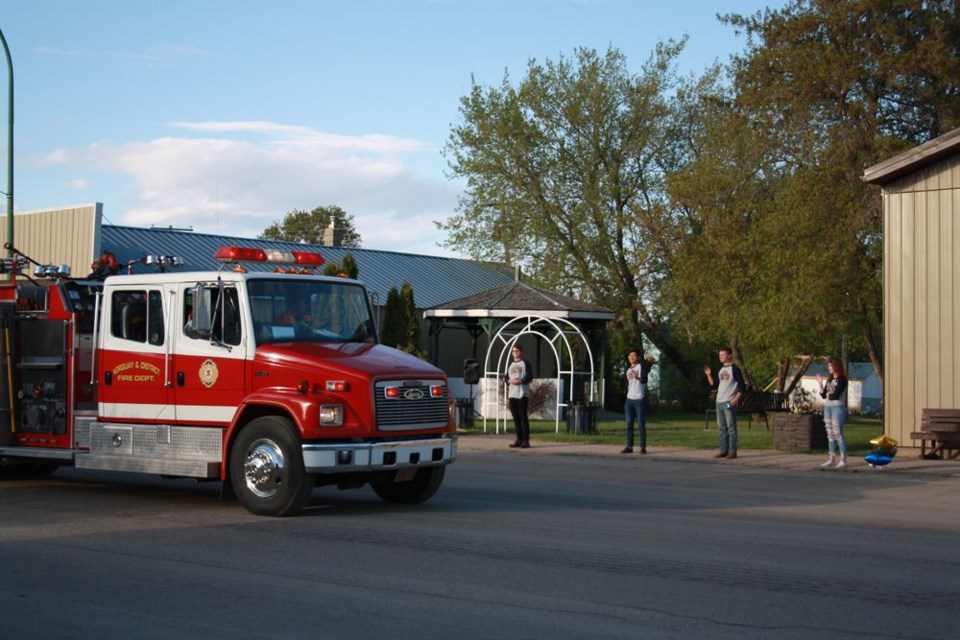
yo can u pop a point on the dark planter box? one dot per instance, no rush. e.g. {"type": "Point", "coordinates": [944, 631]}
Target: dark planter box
{"type": "Point", "coordinates": [798, 432]}
{"type": "Point", "coordinates": [582, 417]}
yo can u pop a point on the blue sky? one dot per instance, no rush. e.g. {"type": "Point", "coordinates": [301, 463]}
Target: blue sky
{"type": "Point", "coordinates": [223, 115]}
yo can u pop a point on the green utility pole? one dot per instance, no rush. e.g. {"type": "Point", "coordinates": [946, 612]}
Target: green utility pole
{"type": "Point", "coordinates": [6, 50]}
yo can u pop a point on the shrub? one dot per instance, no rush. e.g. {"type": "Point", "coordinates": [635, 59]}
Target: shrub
{"type": "Point", "coordinates": [542, 395]}
{"type": "Point", "coordinates": [801, 401]}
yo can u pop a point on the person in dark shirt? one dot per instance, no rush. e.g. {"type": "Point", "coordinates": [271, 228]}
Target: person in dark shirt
{"type": "Point", "coordinates": [833, 390]}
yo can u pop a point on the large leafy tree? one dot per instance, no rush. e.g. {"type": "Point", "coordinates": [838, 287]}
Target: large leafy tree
{"type": "Point", "coordinates": [748, 266]}
{"type": "Point", "coordinates": [565, 176]}
{"type": "Point", "coordinates": [309, 226]}
{"type": "Point", "coordinates": [733, 210]}
{"type": "Point", "coordinates": [837, 86]}
{"type": "Point", "coordinates": [724, 196]}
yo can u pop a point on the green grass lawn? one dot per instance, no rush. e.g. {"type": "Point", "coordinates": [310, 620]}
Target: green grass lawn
{"type": "Point", "coordinates": [687, 430]}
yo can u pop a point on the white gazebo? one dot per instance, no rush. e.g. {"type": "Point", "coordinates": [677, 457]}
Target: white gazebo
{"type": "Point", "coordinates": [561, 336]}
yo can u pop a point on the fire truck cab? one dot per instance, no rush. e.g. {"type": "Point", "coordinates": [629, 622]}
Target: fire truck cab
{"type": "Point", "coordinates": [272, 383]}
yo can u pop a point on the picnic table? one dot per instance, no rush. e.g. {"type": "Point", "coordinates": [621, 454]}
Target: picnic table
{"type": "Point", "coordinates": [755, 404]}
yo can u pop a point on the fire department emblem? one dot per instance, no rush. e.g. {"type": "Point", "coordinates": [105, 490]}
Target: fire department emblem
{"type": "Point", "coordinates": [209, 373]}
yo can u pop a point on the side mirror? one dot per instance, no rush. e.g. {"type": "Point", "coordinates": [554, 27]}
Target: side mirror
{"type": "Point", "coordinates": [202, 322]}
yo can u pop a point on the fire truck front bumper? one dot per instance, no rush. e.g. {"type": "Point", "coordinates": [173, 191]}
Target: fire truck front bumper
{"type": "Point", "coordinates": [344, 457]}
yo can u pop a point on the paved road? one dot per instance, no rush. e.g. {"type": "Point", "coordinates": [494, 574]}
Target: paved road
{"type": "Point", "coordinates": [515, 545]}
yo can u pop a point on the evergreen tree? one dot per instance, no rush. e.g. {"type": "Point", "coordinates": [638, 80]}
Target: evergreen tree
{"type": "Point", "coordinates": [401, 325]}
{"type": "Point", "coordinates": [391, 333]}
{"type": "Point", "coordinates": [411, 321]}
{"type": "Point", "coordinates": [348, 267]}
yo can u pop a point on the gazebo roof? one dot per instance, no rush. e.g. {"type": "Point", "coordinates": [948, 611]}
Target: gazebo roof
{"type": "Point", "coordinates": [517, 299]}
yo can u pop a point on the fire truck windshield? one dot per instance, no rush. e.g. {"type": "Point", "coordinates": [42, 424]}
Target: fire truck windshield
{"type": "Point", "coordinates": [307, 310]}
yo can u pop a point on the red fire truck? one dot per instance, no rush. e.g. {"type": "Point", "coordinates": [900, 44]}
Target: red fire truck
{"type": "Point", "coordinates": [270, 382]}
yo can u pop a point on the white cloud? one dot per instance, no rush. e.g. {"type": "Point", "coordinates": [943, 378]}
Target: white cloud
{"type": "Point", "coordinates": [243, 176]}
{"type": "Point", "coordinates": [294, 136]}
{"type": "Point", "coordinates": [151, 57]}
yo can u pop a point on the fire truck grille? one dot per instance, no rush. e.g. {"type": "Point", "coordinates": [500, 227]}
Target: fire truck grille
{"type": "Point", "coordinates": [409, 404]}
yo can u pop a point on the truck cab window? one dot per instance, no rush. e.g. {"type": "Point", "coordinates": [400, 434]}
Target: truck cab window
{"type": "Point", "coordinates": [137, 315]}
{"type": "Point", "coordinates": [226, 317]}
{"type": "Point", "coordinates": [287, 310]}
{"type": "Point", "coordinates": [155, 321]}
{"type": "Point", "coordinates": [224, 309]}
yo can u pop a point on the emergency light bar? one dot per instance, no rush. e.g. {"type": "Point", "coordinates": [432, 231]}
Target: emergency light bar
{"type": "Point", "coordinates": [251, 254]}
{"type": "Point", "coordinates": [163, 261]}
{"type": "Point", "coordinates": [52, 271]}
{"type": "Point", "coordinates": [13, 265]}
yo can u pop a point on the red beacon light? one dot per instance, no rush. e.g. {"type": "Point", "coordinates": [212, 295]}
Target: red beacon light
{"type": "Point", "coordinates": [240, 254]}
{"type": "Point", "coordinates": [301, 258]}
{"type": "Point", "coordinates": [251, 254]}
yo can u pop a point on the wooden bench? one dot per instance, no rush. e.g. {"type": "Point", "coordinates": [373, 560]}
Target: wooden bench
{"type": "Point", "coordinates": [941, 429]}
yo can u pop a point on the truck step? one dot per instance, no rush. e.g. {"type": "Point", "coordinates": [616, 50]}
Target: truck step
{"type": "Point", "coordinates": [157, 466]}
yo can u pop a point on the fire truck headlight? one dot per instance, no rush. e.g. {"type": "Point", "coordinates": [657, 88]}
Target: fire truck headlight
{"type": "Point", "coordinates": [331, 415]}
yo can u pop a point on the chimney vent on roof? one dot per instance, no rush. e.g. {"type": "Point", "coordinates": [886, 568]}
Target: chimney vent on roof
{"type": "Point", "coordinates": [332, 237]}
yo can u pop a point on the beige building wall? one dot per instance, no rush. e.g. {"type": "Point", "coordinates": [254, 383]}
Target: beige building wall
{"type": "Point", "coordinates": [64, 235]}
{"type": "Point", "coordinates": [921, 297]}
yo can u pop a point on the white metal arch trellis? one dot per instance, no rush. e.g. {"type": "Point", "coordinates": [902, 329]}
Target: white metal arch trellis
{"type": "Point", "coordinates": [506, 337]}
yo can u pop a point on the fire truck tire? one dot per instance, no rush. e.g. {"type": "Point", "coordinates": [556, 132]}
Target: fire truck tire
{"type": "Point", "coordinates": [28, 470]}
{"type": "Point", "coordinates": [266, 468]}
{"type": "Point", "coordinates": [420, 489]}
{"type": "Point", "coordinates": [43, 468]}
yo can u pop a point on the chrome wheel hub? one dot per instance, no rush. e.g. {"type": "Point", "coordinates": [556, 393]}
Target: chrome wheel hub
{"type": "Point", "coordinates": [263, 468]}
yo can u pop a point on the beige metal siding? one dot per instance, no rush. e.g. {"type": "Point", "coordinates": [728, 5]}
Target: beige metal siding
{"type": "Point", "coordinates": [921, 276]}
{"type": "Point", "coordinates": [67, 235]}
{"type": "Point", "coordinates": [942, 175]}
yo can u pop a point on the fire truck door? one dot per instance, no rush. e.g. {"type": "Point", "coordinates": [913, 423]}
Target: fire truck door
{"type": "Point", "coordinates": [133, 357]}
{"type": "Point", "coordinates": [208, 370]}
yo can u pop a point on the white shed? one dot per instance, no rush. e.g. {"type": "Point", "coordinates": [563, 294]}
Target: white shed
{"type": "Point", "coordinates": [864, 391]}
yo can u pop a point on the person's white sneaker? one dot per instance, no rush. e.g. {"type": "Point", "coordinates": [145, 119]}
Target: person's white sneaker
{"type": "Point", "coordinates": [842, 464]}
{"type": "Point", "coordinates": [827, 464]}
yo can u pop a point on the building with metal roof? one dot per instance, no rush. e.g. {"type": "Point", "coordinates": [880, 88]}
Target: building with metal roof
{"type": "Point", "coordinates": [75, 235]}
{"type": "Point", "coordinates": [434, 279]}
